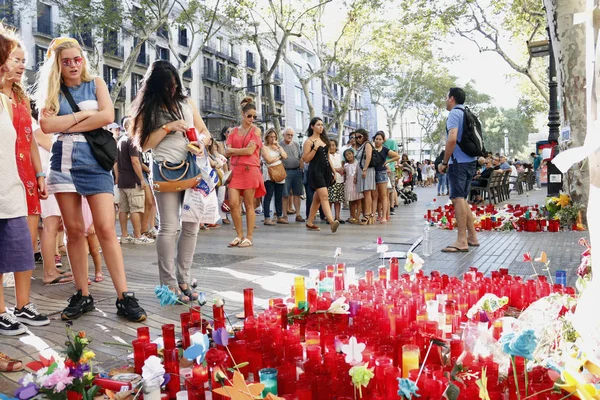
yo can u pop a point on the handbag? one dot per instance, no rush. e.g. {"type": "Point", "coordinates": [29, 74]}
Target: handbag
{"type": "Point", "coordinates": [173, 177]}
{"type": "Point", "coordinates": [101, 141]}
{"type": "Point", "coordinates": [277, 172]}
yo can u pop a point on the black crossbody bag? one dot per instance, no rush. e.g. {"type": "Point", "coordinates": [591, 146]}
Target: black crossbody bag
{"type": "Point", "coordinates": [101, 141]}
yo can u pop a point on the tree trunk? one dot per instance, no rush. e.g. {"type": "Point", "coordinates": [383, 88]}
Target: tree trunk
{"type": "Point", "coordinates": [271, 108]}
{"type": "Point", "coordinates": [309, 103]}
{"type": "Point", "coordinates": [568, 43]}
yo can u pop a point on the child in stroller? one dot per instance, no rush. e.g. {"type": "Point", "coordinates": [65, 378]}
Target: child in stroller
{"type": "Point", "coordinates": [406, 191]}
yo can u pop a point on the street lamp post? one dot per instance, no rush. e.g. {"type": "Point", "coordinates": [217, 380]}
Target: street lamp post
{"type": "Point", "coordinates": [506, 142]}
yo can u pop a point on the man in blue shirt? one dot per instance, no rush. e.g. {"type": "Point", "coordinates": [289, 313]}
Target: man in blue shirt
{"type": "Point", "coordinates": [392, 145]}
{"type": "Point", "coordinates": [537, 164]}
{"type": "Point", "coordinates": [461, 170]}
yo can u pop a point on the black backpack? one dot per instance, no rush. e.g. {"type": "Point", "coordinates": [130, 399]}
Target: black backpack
{"type": "Point", "coordinates": [439, 160]}
{"type": "Point", "coordinates": [471, 142]}
{"type": "Point", "coordinates": [377, 159]}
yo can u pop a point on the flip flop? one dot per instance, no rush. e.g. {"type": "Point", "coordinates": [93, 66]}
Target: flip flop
{"type": "Point", "coordinates": [99, 277]}
{"type": "Point", "coordinates": [474, 244]}
{"type": "Point", "coordinates": [454, 249]}
{"type": "Point", "coordinates": [60, 280]}
{"type": "Point", "coordinates": [245, 243]}
{"type": "Point", "coordinates": [235, 242]}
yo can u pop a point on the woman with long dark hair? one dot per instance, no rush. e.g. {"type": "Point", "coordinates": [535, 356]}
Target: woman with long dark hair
{"type": "Point", "coordinates": [243, 148]}
{"type": "Point", "coordinates": [161, 115]}
{"type": "Point", "coordinates": [320, 172]}
{"type": "Point", "coordinates": [365, 177]}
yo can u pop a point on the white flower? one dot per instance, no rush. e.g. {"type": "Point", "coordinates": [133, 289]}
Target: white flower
{"type": "Point", "coordinates": [27, 379]}
{"type": "Point", "coordinates": [382, 248]}
{"type": "Point", "coordinates": [353, 351]}
{"type": "Point", "coordinates": [414, 263]}
{"type": "Point", "coordinates": [153, 372]}
{"type": "Point", "coordinates": [339, 306]}
{"type": "Point", "coordinates": [219, 302]}
{"type": "Point", "coordinates": [338, 252]}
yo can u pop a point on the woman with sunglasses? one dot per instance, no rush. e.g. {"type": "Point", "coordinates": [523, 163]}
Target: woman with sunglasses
{"type": "Point", "coordinates": [243, 149]}
{"type": "Point", "coordinates": [161, 114]}
{"type": "Point", "coordinates": [365, 177]}
{"type": "Point", "coordinates": [75, 172]}
{"type": "Point", "coordinates": [320, 173]}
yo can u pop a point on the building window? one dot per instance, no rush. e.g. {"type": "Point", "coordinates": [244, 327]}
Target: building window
{"type": "Point", "coordinates": [231, 49]}
{"type": "Point", "coordinates": [250, 83]}
{"type": "Point", "coordinates": [7, 12]}
{"type": "Point", "coordinates": [163, 32]}
{"type": "Point", "coordinates": [136, 81]}
{"type": "Point", "coordinates": [162, 53]}
{"type": "Point", "coordinates": [207, 94]}
{"type": "Point", "coordinates": [221, 96]}
{"type": "Point", "coordinates": [250, 60]}
{"type": "Point", "coordinates": [40, 56]}
{"type": "Point", "coordinates": [208, 65]}
{"type": "Point", "coordinates": [183, 37]}
{"type": "Point", "coordinates": [188, 72]}
{"type": "Point", "coordinates": [220, 47]}
{"type": "Point", "coordinates": [110, 76]}
{"type": "Point", "coordinates": [44, 19]}
{"type": "Point", "coordinates": [300, 120]}
{"type": "Point", "coordinates": [220, 70]}
{"type": "Point", "coordinates": [298, 96]}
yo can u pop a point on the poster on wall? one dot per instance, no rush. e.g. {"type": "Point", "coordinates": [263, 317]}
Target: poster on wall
{"type": "Point", "coordinates": [544, 174]}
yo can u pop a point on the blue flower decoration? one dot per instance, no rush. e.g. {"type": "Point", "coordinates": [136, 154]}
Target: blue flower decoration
{"type": "Point", "coordinates": [201, 299]}
{"type": "Point", "coordinates": [521, 344]}
{"type": "Point", "coordinates": [221, 337]}
{"type": "Point", "coordinates": [165, 295]}
{"type": "Point", "coordinates": [407, 388]}
{"type": "Point", "coordinates": [198, 349]}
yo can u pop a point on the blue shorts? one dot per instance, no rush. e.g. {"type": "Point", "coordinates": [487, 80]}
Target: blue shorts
{"type": "Point", "coordinates": [293, 182]}
{"type": "Point", "coordinates": [459, 177]}
{"type": "Point", "coordinates": [16, 253]}
{"type": "Point", "coordinates": [381, 176]}
{"type": "Point", "coordinates": [74, 169]}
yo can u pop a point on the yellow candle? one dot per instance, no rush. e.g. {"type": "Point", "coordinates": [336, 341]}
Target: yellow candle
{"type": "Point", "coordinates": [299, 289]}
{"type": "Point", "coordinates": [410, 358]}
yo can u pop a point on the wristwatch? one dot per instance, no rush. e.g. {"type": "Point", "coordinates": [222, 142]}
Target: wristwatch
{"type": "Point", "coordinates": [444, 163]}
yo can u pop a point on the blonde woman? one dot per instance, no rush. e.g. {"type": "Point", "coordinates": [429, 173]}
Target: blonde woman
{"type": "Point", "coordinates": [272, 154]}
{"type": "Point", "coordinates": [75, 172]}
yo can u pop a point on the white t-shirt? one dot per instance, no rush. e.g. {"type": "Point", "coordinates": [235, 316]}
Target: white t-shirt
{"type": "Point", "coordinates": [336, 160]}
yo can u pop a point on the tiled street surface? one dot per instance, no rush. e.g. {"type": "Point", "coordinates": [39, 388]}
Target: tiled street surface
{"type": "Point", "coordinates": [279, 253]}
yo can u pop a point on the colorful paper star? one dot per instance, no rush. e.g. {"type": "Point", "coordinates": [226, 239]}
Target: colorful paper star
{"type": "Point", "coordinates": [240, 390]}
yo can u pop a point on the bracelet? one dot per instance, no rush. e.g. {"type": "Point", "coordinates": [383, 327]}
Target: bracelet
{"type": "Point", "coordinates": [75, 118]}
{"type": "Point", "coordinates": [40, 174]}
{"type": "Point", "coordinates": [166, 129]}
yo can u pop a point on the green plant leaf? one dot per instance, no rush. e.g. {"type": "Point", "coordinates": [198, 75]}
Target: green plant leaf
{"type": "Point", "coordinates": [241, 365]}
{"type": "Point", "coordinates": [452, 392]}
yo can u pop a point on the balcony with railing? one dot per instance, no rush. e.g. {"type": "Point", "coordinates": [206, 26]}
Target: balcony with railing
{"type": "Point", "coordinates": [209, 47]}
{"type": "Point", "coordinates": [188, 74]}
{"type": "Point", "coordinates": [143, 59]}
{"type": "Point", "coordinates": [278, 76]}
{"type": "Point", "coordinates": [224, 79]}
{"type": "Point", "coordinates": [46, 28]}
{"type": "Point", "coordinates": [279, 97]}
{"type": "Point", "coordinates": [250, 63]}
{"type": "Point", "coordinates": [114, 51]}
{"type": "Point", "coordinates": [212, 106]}
{"type": "Point", "coordinates": [252, 89]}
{"type": "Point", "coordinates": [210, 75]}
{"type": "Point", "coordinates": [328, 110]}
{"type": "Point", "coordinates": [233, 58]}
{"type": "Point", "coordinates": [351, 124]}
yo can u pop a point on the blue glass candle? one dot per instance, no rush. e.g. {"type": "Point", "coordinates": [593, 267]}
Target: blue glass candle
{"type": "Point", "coordinates": [561, 277]}
{"type": "Point", "coordinates": [268, 377]}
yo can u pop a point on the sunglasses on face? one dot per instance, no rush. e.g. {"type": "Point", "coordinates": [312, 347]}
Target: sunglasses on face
{"type": "Point", "coordinates": [251, 116]}
{"type": "Point", "coordinates": [67, 62]}
{"type": "Point", "coordinates": [352, 137]}
{"type": "Point", "coordinates": [359, 137]}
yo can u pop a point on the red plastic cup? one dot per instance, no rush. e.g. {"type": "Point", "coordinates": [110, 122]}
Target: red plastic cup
{"type": "Point", "coordinates": [191, 134]}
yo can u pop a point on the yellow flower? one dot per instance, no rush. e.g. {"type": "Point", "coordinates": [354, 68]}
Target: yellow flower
{"type": "Point", "coordinates": [564, 200]}
{"type": "Point", "coordinates": [542, 258]}
{"type": "Point", "coordinates": [87, 356]}
{"type": "Point", "coordinates": [574, 382]}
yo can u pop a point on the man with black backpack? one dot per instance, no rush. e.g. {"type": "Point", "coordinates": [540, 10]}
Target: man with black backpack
{"type": "Point", "coordinates": [464, 144]}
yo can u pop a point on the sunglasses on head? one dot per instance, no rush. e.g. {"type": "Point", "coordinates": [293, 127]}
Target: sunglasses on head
{"type": "Point", "coordinates": [67, 62]}
{"type": "Point", "coordinates": [252, 116]}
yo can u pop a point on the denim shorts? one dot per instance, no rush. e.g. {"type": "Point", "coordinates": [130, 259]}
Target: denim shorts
{"type": "Point", "coordinates": [459, 178]}
{"type": "Point", "coordinates": [74, 169]}
{"type": "Point", "coordinates": [381, 176]}
{"type": "Point", "coordinates": [293, 182]}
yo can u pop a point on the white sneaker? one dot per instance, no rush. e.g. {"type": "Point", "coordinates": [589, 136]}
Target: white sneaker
{"type": "Point", "coordinates": [127, 239]}
{"type": "Point", "coordinates": [143, 240]}
{"type": "Point", "coordinates": [153, 232]}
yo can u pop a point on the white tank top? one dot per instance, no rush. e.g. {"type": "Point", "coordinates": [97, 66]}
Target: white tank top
{"type": "Point", "coordinates": [13, 203]}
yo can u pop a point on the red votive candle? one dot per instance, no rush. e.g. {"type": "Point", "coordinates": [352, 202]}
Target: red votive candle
{"type": "Point", "coordinates": [383, 276]}
{"type": "Point", "coordinates": [151, 349]}
{"type": "Point", "coordinates": [218, 317]}
{"type": "Point", "coordinates": [282, 310]}
{"type": "Point", "coordinates": [168, 331]}
{"type": "Point", "coordinates": [313, 353]}
{"type": "Point", "coordinates": [138, 355]}
{"type": "Point", "coordinates": [330, 271]}
{"type": "Point", "coordinates": [195, 314]}
{"type": "Point", "coordinates": [171, 358]}
{"type": "Point", "coordinates": [393, 269]}
{"type": "Point", "coordinates": [391, 375]}
{"type": "Point", "coordinates": [248, 303]}
{"type": "Point", "coordinates": [338, 282]}
{"type": "Point", "coordinates": [195, 389]}
{"type": "Point", "coordinates": [185, 326]}
{"type": "Point", "coordinates": [311, 297]}
{"type": "Point", "coordinates": [369, 278]}
{"type": "Point", "coordinates": [143, 334]}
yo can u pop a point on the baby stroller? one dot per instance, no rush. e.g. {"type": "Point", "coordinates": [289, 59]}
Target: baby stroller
{"type": "Point", "coordinates": [405, 192]}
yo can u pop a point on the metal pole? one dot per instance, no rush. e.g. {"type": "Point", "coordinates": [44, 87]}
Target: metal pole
{"type": "Point", "coordinates": [554, 176]}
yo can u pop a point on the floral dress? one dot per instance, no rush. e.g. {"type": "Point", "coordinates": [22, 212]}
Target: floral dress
{"type": "Point", "coordinates": [22, 124]}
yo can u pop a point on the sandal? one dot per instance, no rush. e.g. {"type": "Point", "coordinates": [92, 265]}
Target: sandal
{"type": "Point", "coordinates": [182, 297]}
{"type": "Point", "coordinates": [246, 243]}
{"type": "Point", "coordinates": [62, 250]}
{"type": "Point", "coordinates": [189, 293]}
{"type": "Point", "coordinates": [226, 221]}
{"type": "Point", "coordinates": [99, 277]}
{"type": "Point", "coordinates": [235, 242]}
{"type": "Point", "coordinates": [8, 364]}
{"type": "Point", "coordinates": [60, 280]}
{"type": "Point", "coordinates": [312, 227]}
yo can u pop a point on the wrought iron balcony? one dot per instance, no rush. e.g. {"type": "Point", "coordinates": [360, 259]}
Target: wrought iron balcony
{"type": "Point", "coordinates": [210, 75]}
{"type": "Point", "coordinates": [212, 106]}
{"type": "Point", "coordinates": [45, 28]}
{"type": "Point", "coordinates": [114, 51]}
{"type": "Point", "coordinates": [143, 59]}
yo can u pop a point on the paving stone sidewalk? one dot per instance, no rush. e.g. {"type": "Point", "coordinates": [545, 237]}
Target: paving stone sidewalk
{"type": "Point", "coordinates": [279, 253]}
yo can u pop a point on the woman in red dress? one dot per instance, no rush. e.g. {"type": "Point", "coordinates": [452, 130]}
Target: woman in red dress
{"type": "Point", "coordinates": [29, 163]}
{"type": "Point", "coordinates": [243, 149]}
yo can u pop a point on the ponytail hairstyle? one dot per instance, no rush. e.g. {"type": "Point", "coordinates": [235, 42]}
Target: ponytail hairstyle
{"type": "Point", "coordinates": [247, 104]}
{"type": "Point", "coordinates": [49, 76]}
{"type": "Point", "coordinates": [323, 136]}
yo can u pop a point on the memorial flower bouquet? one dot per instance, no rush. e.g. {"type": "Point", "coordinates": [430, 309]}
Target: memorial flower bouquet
{"type": "Point", "coordinates": [63, 375]}
{"type": "Point", "coordinates": [584, 271]}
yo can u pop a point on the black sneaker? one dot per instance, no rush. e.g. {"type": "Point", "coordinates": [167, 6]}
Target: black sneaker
{"type": "Point", "coordinates": [10, 326]}
{"type": "Point", "coordinates": [29, 315]}
{"type": "Point", "coordinates": [78, 304]}
{"type": "Point", "coordinates": [38, 258]}
{"type": "Point", "coordinates": [129, 308]}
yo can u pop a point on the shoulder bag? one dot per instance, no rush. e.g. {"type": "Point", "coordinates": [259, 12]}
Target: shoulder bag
{"type": "Point", "coordinates": [101, 141]}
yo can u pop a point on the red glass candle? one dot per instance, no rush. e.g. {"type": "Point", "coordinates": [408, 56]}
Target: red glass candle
{"type": "Point", "coordinates": [248, 303]}
{"type": "Point", "coordinates": [383, 276]}
{"type": "Point", "coordinates": [195, 314]}
{"type": "Point", "coordinates": [313, 354]}
{"type": "Point", "coordinates": [330, 271]}
{"type": "Point", "coordinates": [171, 359]}
{"type": "Point", "coordinates": [151, 349]}
{"type": "Point", "coordinates": [393, 269]}
{"type": "Point", "coordinates": [391, 375]}
{"type": "Point", "coordinates": [218, 317]}
{"type": "Point", "coordinates": [338, 282]}
{"type": "Point", "coordinates": [195, 389]}
{"type": "Point", "coordinates": [369, 277]}
{"type": "Point", "coordinates": [311, 297]}
{"type": "Point", "coordinates": [143, 334]}
{"type": "Point", "coordinates": [185, 329]}
{"type": "Point", "coordinates": [168, 331]}
{"type": "Point", "coordinates": [138, 355]}
{"type": "Point", "coordinates": [282, 311]}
